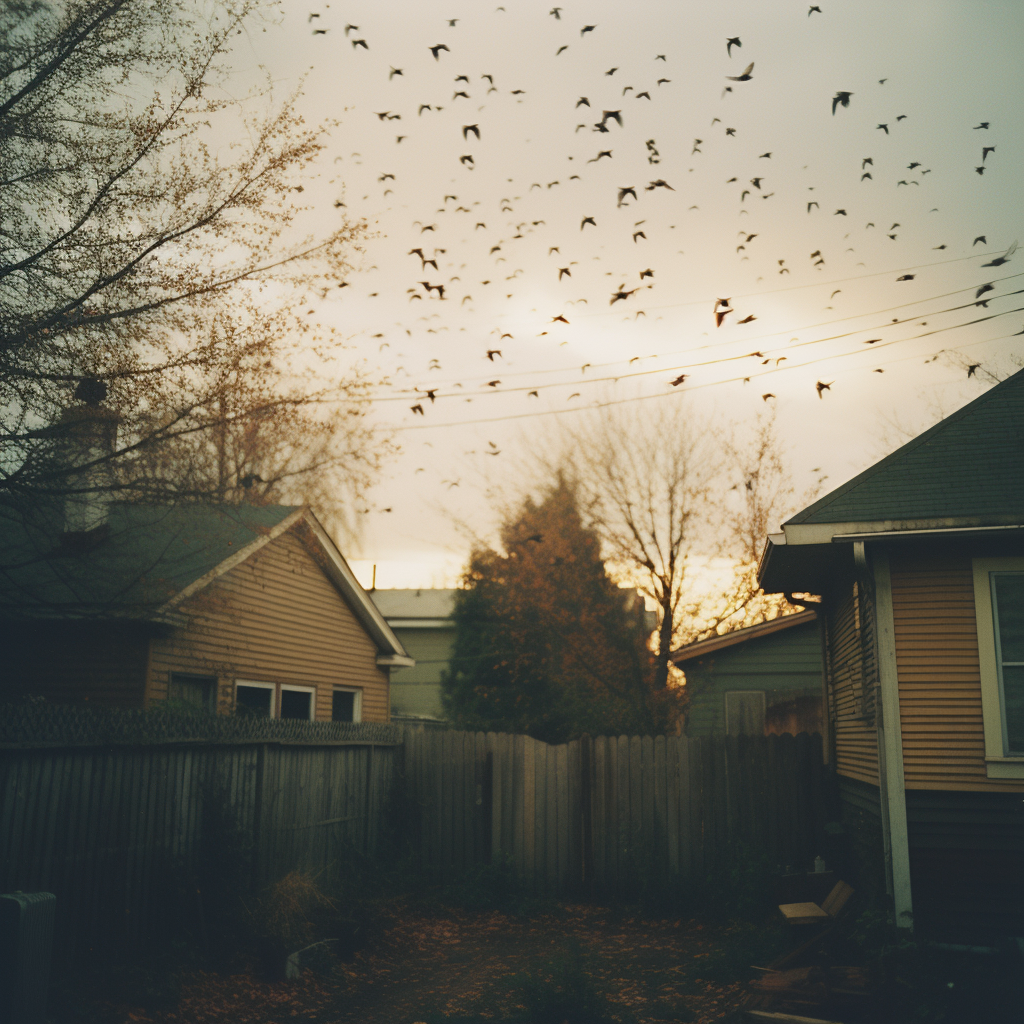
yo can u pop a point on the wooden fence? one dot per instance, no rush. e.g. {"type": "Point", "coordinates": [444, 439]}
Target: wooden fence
{"type": "Point", "coordinates": [124, 835]}
{"type": "Point", "coordinates": [607, 816]}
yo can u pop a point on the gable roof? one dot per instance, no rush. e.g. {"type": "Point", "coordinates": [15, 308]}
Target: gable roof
{"type": "Point", "coordinates": [969, 466]}
{"type": "Point", "coordinates": [146, 560]}
{"type": "Point", "coordinates": [702, 648]}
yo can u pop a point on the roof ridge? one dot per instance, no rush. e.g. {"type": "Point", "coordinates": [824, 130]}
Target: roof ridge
{"type": "Point", "coordinates": [1017, 379]}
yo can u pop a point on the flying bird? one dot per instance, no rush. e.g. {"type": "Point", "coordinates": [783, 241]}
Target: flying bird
{"type": "Point", "coordinates": [436, 50]}
{"type": "Point", "coordinates": [561, 49]}
{"type": "Point", "coordinates": [1005, 258]}
{"type": "Point", "coordinates": [679, 380]}
{"type": "Point", "coordinates": [822, 386]}
{"type": "Point", "coordinates": [985, 152]}
{"type": "Point", "coordinates": [765, 397]}
{"type": "Point", "coordinates": [586, 29]}
{"type": "Point", "coordinates": [814, 8]}
{"type": "Point", "coordinates": [745, 77]}
{"type": "Point", "coordinates": [972, 368]}
{"type": "Point", "coordinates": [884, 127]}
{"type": "Point", "coordinates": [730, 43]}
{"type": "Point", "coordinates": [467, 128]}
{"type": "Point", "coordinates": [563, 271]}
{"type": "Point", "coordinates": [492, 352]}
{"type": "Point", "coordinates": [559, 319]}
{"type": "Point", "coordinates": [840, 99]}
{"type": "Point", "coordinates": [980, 238]}
{"type": "Point", "coordinates": [906, 277]}
{"type": "Point", "coordinates": [586, 221]}
{"type": "Point", "coordinates": [394, 71]}
{"type": "Point", "coordinates": [626, 190]}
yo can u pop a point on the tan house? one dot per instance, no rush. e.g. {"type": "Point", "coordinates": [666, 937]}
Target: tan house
{"type": "Point", "coordinates": [919, 561]}
{"type": "Point", "coordinates": [228, 607]}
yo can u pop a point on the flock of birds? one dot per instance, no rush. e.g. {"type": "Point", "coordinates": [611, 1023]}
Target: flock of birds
{"type": "Point", "coordinates": [509, 224]}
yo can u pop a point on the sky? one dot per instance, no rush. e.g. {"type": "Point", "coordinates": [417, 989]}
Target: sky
{"type": "Point", "coordinates": [847, 248]}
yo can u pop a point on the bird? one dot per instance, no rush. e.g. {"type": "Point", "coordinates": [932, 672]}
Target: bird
{"type": "Point", "coordinates": [730, 43]}
{"type": "Point", "coordinates": [586, 221]}
{"type": "Point", "coordinates": [1005, 258]}
{"type": "Point", "coordinates": [638, 234]}
{"type": "Point", "coordinates": [615, 115]}
{"type": "Point", "coordinates": [765, 156]}
{"type": "Point", "coordinates": [466, 160]}
{"type": "Point", "coordinates": [417, 408]}
{"type": "Point", "coordinates": [984, 288]}
{"type": "Point", "coordinates": [980, 238]}
{"type": "Point", "coordinates": [586, 29]}
{"type": "Point", "coordinates": [756, 182]}
{"type": "Point", "coordinates": [822, 386]}
{"type": "Point", "coordinates": [563, 272]}
{"type": "Point", "coordinates": [972, 368]}
{"type": "Point", "coordinates": [747, 319]}
{"type": "Point", "coordinates": [646, 273]}
{"type": "Point", "coordinates": [884, 127]}
{"type": "Point", "coordinates": [765, 397]}
{"type": "Point", "coordinates": [611, 71]}
{"type": "Point", "coordinates": [360, 42]}
{"type": "Point", "coordinates": [906, 277]}
{"type": "Point", "coordinates": [436, 50]}
{"type": "Point", "coordinates": [745, 77]}
{"type": "Point", "coordinates": [984, 124]}
{"type": "Point", "coordinates": [679, 380]}
{"type": "Point", "coordinates": [582, 102]}
{"type": "Point", "coordinates": [810, 204]}
{"type": "Point", "coordinates": [350, 28]}
{"type": "Point", "coordinates": [865, 161]}
{"type": "Point", "coordinates": [979, 170]}
{"type": "Point", "coordinates": [720, 315]}
{"type": "Point", "coordinates": [493, 383]}
{"type": "Point", "coordinates": [601, 153]}
{"type": "Point", "coordinates": [467, 128]}
{"type": "Point", "coordinates": [866, 174]}
{"type": "Point", "coordinates": [492, 352]}
{"type": "Point", "coordinates": [985, 152]}
{"type": "Point", "coordinates": [814, 7]}
{"type": "Point", "coordinates": [626, 190]}
{"type": "Point", "coordinates": [559, 319]}
{"type": "Point", "coordinates": [840, 99]}
{"type": "Point", "coordinates": [839, 213]}
{"type": "Point", "coordinates": [557, 12]}
{"type": "Point", "coordinates": [394, 71]}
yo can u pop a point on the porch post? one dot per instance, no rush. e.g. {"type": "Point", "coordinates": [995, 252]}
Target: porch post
{"type": "Point", "coordinates": [894, 804]}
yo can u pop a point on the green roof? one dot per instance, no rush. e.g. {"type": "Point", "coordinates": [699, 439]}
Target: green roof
{"type": "Point", "coordinates": [968, 466]}
{"type": "Point", "coordinates": [138, 560]}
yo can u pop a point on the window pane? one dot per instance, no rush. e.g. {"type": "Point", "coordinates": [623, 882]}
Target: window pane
{"type": "Point", "coordinates": [254, 700]}
{"type": "Point", "coordinates": [343, 706]}
{"type": "Point", "coordinates": [189, 689]}
{"type": "Point", "coordinates": [1013, 698]}
{"type": "Point", "coordinates": [744, 714]}
{"type": "Point", "coordinates": [296, 704]}
{"type": "Point", "coordinates": [1010, 610]}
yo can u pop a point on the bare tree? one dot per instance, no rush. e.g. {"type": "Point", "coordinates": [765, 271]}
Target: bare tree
{"type": "Point", "coordinates": [682, 510]}
{"type": "Point", "coordinates": [146, 268]}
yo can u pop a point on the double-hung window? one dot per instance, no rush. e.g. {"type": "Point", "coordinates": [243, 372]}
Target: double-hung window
{"type": "Point", "coordinates": [999, 605]}
{"type": "Point", "coordinates": [275, 700]}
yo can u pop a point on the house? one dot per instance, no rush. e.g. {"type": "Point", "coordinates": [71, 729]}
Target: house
{"type": "Point", "coordinates": [228, 607]}
{"type": "Point", "coordinates": [759, 680]}
{"type": "Point", "coordinates": [422, 621]}
{"type": "Point", "coordinates": [919, 562]}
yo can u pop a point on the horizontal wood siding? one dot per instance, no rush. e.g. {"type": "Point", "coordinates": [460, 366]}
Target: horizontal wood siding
{"type": "Point", "coordinates": [939, 678]}
{"type": "Point", "coordinates": [856, 744]}
{"type": "Point", "coordinates": [275, 618]}
{"type": "Point", "coordinates": [97, 663]}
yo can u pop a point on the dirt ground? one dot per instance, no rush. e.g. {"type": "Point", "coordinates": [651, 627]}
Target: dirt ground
{"type": "Point", "coordinates": [446, 966]}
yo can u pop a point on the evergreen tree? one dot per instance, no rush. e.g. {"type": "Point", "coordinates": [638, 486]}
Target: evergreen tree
{"type": "Point", "coordinates": [546, 643]}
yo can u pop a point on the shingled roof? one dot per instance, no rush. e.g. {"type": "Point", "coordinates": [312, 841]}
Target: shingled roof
{"type": "Point", "coordinates": [969, 466]}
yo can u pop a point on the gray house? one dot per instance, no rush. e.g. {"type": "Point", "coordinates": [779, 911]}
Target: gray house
{"type": "Point", "coordinates": [422, 620]}
{"type": "Point", "coordinates": [756, 681]}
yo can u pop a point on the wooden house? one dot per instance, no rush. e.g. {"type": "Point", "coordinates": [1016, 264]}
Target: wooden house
{"type": "Point", "coordinates": [761, 680]}
{"type": "Point", "coordinates": [422, 621]}
{"type": "Point", "coordinates": [228, 607]}
{"type": "Point", "coordinates": [919, 561]}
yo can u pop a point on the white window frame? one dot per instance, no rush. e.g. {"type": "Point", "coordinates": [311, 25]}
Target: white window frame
{"type": "Point", "coordinates": [311, 690]}
{"type": "Point", "coordinates": [997, 764]}
{"type": "Point", "coordinates": [263, 686]}
{"type": "Point", "coordinates": [357, 700]}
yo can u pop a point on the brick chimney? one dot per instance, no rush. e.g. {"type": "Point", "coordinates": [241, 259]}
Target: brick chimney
{"type": "Point", "coordinates": [89, 433]}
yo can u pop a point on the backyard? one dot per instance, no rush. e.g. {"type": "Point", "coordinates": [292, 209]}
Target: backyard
{"type": "Point", "coordinates": [433, 959]}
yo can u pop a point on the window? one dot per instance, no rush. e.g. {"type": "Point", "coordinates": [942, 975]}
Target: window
{"type": "Point", "coordinates": [999, 608]}
{"type": "Point", "coordinates": [346, 705]}
{"type": "Point", "coordinates": [297, 702]}
{"type": "Point", "coordinates": [199, 691]}
{"type": "Point", "coordinates": [744, 713]}
{"type": "Point", "coordinates": [255, 699]}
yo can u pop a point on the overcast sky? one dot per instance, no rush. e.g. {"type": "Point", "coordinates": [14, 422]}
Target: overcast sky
{"type": "Point", "coordinates": [491, 223]}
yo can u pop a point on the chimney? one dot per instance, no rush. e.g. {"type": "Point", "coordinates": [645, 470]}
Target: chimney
{"type": "Point", "coordinates": [89, 434]}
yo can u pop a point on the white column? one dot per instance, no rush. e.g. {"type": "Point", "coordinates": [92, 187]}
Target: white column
{"type": "Point", "coordinates": [889, 695]}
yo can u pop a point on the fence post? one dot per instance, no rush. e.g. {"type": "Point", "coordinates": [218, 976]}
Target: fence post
{"type": "Point", "coordinates": [587, 804]}
{"type": "Point", "coordinates": [487, 803]}
{"type": "Point", "coordinates": [257, 817]}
